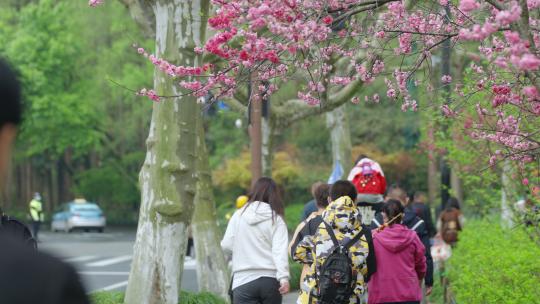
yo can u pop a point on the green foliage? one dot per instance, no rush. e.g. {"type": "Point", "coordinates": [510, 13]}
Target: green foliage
{"type": "Point", "coordinates": [312, 139]}
{"type": "Point", "coordinates": [437, 293]}
{"type": "Point", "coordinates": [200, 298]}
{"type": "Point", "coordinates": [494, 265]}
{"type": "Point", "coordinates": [293, 215]}
{"type": "Point", "coordinates": [383, 125]}
{"type": "Point", "coordinates": [118, 193]}
{"type": "Point", "coordinates": [107, 297]}
{"type": "Point", "coordinates": [223, 139]}
{"type": "Point", "coordinates": [185, 298]}
{"type": "Point", "coordinates": [75, 115]}
{"type": "Point", "coordinates": [295, 270]}
{"type": "Point", "coordinates": [47, 55]}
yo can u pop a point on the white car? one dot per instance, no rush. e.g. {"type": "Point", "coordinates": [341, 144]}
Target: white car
{"type": "Point", "coordinates": [78, 214]}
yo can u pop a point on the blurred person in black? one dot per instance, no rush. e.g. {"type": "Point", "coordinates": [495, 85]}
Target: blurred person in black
{"type": "Point", "coordinates": [26, 275]}
{"type": "Point", "coordinates": [421, 208]}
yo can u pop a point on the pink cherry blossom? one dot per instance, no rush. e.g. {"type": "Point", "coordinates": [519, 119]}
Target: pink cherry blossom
{"type": "Point", "coordinates": [446, 79]}
{"type": "Point", "coordinates": [94, 3]}
{"type": "Point", "coordinates": [447, 111]}
{"type": "Point", "coordinates": [150, 94]}
{"type": "Point", "coordinates": [507, 17]}
{"type": "Point", "coordinates": [468, 6]}
{"type": "Point", "coordinates": [529, 62]}
{"type": "Point", "coordinates": [298, 40]}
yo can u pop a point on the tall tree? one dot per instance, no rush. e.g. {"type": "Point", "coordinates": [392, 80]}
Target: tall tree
{"type": "Point", "coordinates": [337, 122]}
{"type": "Point", "coordinates": [167, 179]}
{"type": "Point", "coordinates": [212, 270]}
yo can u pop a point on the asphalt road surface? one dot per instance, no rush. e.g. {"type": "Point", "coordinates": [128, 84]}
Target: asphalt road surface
{"type": "Point", "coordinates": [103, 260]}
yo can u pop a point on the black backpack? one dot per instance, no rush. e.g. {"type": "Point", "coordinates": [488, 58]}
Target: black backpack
{"type": "Point", "coordinates": [337, 278]}
{"type": "Point", "coordinates": [16, 230]}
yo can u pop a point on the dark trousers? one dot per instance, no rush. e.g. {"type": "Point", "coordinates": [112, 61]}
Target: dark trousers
{"type": "Point", "coordinates": [261, 291]}
{"type": "Point", "coordinates": [35, 229]}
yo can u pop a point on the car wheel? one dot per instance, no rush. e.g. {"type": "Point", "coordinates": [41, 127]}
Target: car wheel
{"type": "Point", "coordinates": [100, 230]}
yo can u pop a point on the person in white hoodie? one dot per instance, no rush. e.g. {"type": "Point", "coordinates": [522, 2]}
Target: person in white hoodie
{"type": "Point", "coordinates": [258, 238]}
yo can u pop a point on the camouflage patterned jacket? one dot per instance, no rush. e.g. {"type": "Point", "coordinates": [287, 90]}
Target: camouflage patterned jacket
{"type": "Point", "coordinates": [343, 216]}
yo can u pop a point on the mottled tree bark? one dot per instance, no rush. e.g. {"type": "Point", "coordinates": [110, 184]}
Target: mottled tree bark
{"type": "Point", "coordinates": [267, 132]}
{"type": "Point", "coordinates": [167, 179]}
{"type": "Point", "coordinates": [212, 270]}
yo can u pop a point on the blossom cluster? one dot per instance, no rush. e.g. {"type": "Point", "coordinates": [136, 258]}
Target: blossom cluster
{"type": "Point", "coordinates": [276, 41]}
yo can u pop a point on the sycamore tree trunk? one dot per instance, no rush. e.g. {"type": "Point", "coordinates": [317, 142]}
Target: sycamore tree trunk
{"type": "Point", "coordinates": [167, 178]}
{"type": "Point", "coordinates": [212, 270]}
{"type": "Point", "coordinates": [267, 132]}
{"type": "Point", "coordinates": [340, 136]}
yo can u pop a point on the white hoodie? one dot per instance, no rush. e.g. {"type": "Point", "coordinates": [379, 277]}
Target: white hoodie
{"type": "Point", "coordinates": [258, 239]}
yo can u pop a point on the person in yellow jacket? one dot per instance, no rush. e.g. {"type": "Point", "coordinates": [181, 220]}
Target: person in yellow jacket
{"type": "Point", "coordinates": [343, 217]}
{"type": "Point", "coordinates": [36, 214]}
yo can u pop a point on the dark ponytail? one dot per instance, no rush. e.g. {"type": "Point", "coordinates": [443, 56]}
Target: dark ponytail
{"type": "Point", "coordinates": [394, 211]}
{"type": "Point", "coordinates": [266, 190]}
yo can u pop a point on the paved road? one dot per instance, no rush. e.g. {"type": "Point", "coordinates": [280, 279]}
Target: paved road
{"type": "Point", "coordinates": [104, 259]}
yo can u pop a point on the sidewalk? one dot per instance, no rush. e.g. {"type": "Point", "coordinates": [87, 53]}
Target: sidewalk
{"type": "Point", "coordinates": [290, 298]}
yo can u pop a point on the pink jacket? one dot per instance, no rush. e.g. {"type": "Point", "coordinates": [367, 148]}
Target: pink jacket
{"type": "Point", "coordinates": [401, 266]}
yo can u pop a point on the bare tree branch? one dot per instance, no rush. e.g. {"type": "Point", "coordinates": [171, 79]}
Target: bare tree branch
{"type": "Point", "coordinates": [237, 106]}
{"type": "Point", "coordinates": [296, 109]}
{"type": "Point", "coordinates": [495, 4]}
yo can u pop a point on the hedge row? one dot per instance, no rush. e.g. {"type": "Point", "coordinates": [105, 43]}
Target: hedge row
{"type": "Point", "coordinates": [495, 265]}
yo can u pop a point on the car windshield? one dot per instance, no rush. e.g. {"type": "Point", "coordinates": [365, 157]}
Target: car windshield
{"type": "Point", "coordinates": [85, 207]}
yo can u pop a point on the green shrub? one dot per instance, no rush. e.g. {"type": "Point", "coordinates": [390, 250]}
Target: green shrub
{"type": "Point", "coordinates": [185, 298]}
{"type": "Point", "coordinates": [200, 298]}
{"type": "Point", "coordinates": [493, 265]}
{"type": "Point", "coordinates": [107, 297]}
{"type": "Point", "coordinates": [295, 271]}
{"type": "Point", "coordinates": [293, 214]}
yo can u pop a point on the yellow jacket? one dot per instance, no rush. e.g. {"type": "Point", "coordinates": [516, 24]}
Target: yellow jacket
{"type": "Point", "coordinates": [36, 211]}
{"type": "Point", "coordinates": [343, 216]}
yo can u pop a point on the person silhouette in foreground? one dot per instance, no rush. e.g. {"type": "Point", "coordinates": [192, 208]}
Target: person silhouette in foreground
{"type": "Point", "coordinates": [27, 276]}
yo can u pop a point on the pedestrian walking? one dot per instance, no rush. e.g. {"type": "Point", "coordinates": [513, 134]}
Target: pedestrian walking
{"type": "Point", "coordinates": [421, 209]}
{"type": "Point", "coordinates": [257, 236]}
{"type": "Point", "coordinates": [415, 223]}
{"type": "Point", "coordinates": [310, 225]}
{"type": "Point", "coordinates": [401, 262]}
{"type": "Point", "coordinates": [36, 214]}
{"type": "Point", "coordinates": [311, 206]}
{"type": "Point", "coordinates": [450, 222]}
{"type": "Point", "coordinates": [368, 178]}
{"type": "Point", "coordinates": [338, 252]}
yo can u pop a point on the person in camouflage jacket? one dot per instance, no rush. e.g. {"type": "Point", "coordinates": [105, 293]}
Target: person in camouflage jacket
{"type": "Point", "coordinates": [343, 216]}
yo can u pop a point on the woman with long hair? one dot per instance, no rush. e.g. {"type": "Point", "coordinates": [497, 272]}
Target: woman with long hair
{"type": "Point", "coordinates": [401, 264]}
{"type": "Point", "coordinates": [450, 221]}
{"type": "Point", "coordinates": [258, 238]}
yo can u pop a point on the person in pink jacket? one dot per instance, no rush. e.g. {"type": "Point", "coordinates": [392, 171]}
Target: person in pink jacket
{"type": "Point", "coordinates": [401, 264]}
